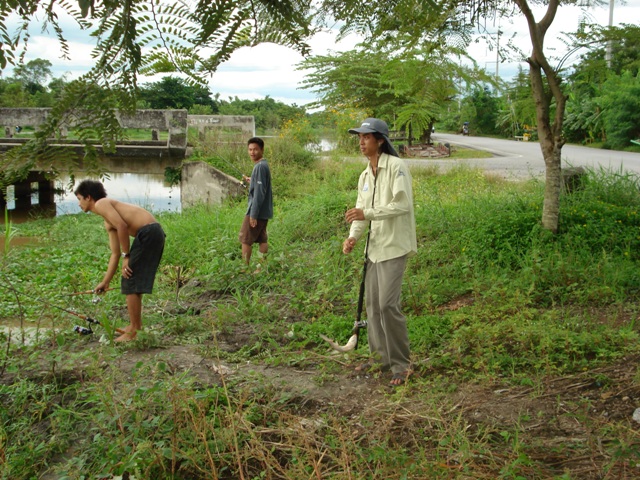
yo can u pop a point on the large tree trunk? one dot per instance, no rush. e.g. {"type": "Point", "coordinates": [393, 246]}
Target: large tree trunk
{"type": "Point", "coordinates": [550, 134]}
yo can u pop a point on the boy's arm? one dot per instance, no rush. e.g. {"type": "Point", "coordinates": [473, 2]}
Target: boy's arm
{"type": "Point", "coordinates": [111, 216]}
{"type": "Point", "coordinates": [114, 259]}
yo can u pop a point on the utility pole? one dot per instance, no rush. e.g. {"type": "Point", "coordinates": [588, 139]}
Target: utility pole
{"type": "Point", "coordinates": [498, 53]}
{"type": "Point", "coordinates": [607, 55]}
{"type": "Point", "coordinates": [497, 62]}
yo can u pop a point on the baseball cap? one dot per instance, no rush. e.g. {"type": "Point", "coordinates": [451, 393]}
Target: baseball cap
{"type": "Point", "coordinates": [375, 125]}
{"type": "Point", "coordinates": [372, 125]}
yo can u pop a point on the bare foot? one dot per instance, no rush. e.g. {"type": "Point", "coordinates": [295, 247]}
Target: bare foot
{"type": "Point", "coordinates": [126, 329]}
{"type": "Point", "coordinates": [398, 379]}
{"type": "Point", "coordinates": [126, 337]}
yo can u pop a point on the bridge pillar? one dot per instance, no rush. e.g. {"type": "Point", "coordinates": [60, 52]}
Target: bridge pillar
{"type": "Point", "coordinates": [22, 195]}
{"type": "Point", "coordinates": [177, 126]}
{"type": "Point", "coordinates": [201, 183]}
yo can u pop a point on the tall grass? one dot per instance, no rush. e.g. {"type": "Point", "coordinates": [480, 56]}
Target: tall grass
{"type": "Point", "coordinates": [10, 231]}
{"type": "Point", "coordinates": [489, 296]}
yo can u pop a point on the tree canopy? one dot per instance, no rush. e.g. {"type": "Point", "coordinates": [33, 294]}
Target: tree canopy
{"type": "Point", "coordinates": [135, 37]}
{"type": "Point", "coordinates": [409, 87]}
{"type": "Point", "coordinates": [174, 92]}
{"type": "Point", "coordinates": [193, 38]}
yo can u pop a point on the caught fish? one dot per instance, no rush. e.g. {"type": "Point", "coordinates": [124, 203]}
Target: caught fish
{"type": "Point", "coordinates": [351, 344]}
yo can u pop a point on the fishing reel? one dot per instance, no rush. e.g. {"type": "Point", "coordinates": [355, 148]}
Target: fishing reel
{"type": "Point", "coordinates": [82, 330]}
{"type": "Point", "coordinates": [86, 330]}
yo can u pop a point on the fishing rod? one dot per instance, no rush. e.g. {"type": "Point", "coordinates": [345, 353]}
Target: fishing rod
{"type": "Point", "coordinates": [90, 320]}
{"type": "Point", "coordinates": [358, 324]}
{"type": "Point", "coordinates": [86, 292]}
{"type": "Point", "coordinates": [352, 343]}
{"type": "Point", "coordinates": [77, 328]}
{"type": "Point", "coordinates": [86, 318]}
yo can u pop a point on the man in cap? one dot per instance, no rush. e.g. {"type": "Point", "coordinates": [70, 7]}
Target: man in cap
{"type": "Point", "coordinates": [385, 206]}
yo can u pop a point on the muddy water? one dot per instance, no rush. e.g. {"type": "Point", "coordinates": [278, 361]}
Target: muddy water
{"type": "Point", "coordinates": [149, 190]}
{"type": "Point", "coordinates": [17, 241]}
{"type": "Point", "coordinates": [23, 332]}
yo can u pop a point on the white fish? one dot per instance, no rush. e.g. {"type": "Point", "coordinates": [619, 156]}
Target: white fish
{"type": "Point", "coordinates": [351, 344]}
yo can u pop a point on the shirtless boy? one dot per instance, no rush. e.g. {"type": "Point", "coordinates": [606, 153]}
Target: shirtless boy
{"type": "Point", "coordinates": [140, 259]}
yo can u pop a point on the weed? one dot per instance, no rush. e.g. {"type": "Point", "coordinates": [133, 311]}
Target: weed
{"type": "Point", "coordinates": [9, 232]}
{"type": "Point", "coordinates": [492, 301]}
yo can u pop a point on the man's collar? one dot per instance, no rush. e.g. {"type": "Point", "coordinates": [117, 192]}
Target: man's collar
{"type": "Point", "coordinates": [381, 164]}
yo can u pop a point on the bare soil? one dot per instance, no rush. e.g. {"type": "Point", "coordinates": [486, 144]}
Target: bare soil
{"type": "Point", "coordinates": [560, 423]}
{"type": "Point", "coordinates": [560, 420]}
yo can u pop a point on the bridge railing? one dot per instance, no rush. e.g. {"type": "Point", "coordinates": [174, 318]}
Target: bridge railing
{"type": "Point", "coordinates": [172, 121]}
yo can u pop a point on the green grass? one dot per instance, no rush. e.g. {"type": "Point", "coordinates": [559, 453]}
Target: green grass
{"type": "Point", "coordinates": [462, 153]}
{"type": "Point", "coordinates": [533, 306]}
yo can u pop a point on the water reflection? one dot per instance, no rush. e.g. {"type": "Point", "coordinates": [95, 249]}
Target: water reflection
{"type": "Point", "coordinates": [148, 190]}
{"type": "Point", "coordinates": [323, 146]}
{"type": "Point", "coordinates": [140, 181]}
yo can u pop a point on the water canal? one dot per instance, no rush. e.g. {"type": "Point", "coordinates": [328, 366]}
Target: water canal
{"type": "Point", "coordinates": [140, 181]}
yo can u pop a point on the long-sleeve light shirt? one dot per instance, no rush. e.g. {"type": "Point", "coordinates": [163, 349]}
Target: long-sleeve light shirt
{"type": "Point", "coordinates": [390, 213]}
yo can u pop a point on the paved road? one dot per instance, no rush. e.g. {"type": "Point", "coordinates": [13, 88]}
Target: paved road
{"type": "Point", "coordinates": [524, 159]}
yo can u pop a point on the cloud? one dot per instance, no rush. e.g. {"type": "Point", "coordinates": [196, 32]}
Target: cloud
{"type": "Point", "coordinates": [266, 69]}
{"type": "Point", "coordinates": [516, 30]}
{"type": "Point", "coordinates": [270, 70]}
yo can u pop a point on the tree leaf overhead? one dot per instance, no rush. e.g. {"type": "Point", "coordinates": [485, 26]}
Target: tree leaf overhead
{"type": "Point", "coordinates": [145, 37]}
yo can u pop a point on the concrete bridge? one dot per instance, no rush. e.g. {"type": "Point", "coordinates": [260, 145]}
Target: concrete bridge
{"type": "Point", "coordinates": [174, 122]}
{"type": "Point", "coordinates": [201, 183]}
{"type": "Point", "coordinates": [225, 129]}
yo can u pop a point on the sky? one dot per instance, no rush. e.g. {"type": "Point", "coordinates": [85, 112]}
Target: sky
{"type": "Point", "coordinates": [270, 70]}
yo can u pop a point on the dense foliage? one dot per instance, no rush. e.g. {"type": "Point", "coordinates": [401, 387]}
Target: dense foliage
{"type": "Point", "coordinates": [133, 38]}
{"type": "Point", "coordinates": [173, 92]}
{"type": "Point", "coordinates": [70, 407]}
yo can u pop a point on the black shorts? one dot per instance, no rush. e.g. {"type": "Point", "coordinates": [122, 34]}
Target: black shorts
{"type": "Point", "coordinates": [250, 235]}
{"type": "Point", "coordinates": [146, 252]}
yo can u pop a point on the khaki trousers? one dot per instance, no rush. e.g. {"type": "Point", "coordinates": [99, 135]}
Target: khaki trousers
{"type": "Point", "coordinates": [386, 324]}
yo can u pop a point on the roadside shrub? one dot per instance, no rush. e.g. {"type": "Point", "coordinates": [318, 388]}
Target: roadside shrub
{"type": "Point", "coordinates": [531, 342]}
{"type": "Point", "coordinates": [301, 131]}
{"type": "Point", "coordinates": [604, 215]}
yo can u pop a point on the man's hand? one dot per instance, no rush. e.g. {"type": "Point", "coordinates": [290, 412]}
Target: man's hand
{"type": "Point", "coordinates": [348, 245]}
{"type": "Point", "coordinates": [354, 214]}
{"type": "Point", "coordinates": [253, 222]}
{"type": "Point", "coordinates": [126, 269]}
{"type": "Point", "coordinates": [101, 288]}
{"type": "Point", "coordinates": [246, 179]}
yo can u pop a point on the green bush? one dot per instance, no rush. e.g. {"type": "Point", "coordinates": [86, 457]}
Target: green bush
{"type": "Point", "coordinates": [286, 152]}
